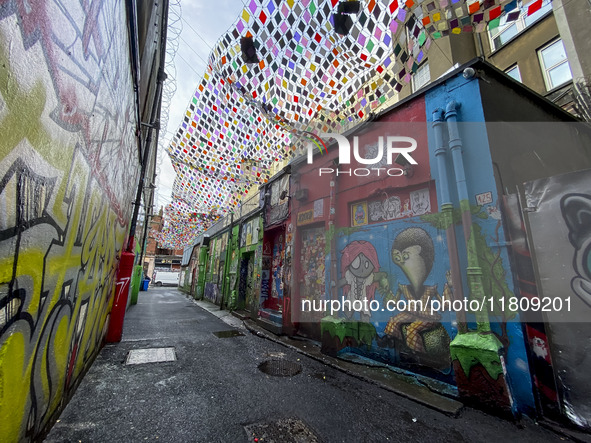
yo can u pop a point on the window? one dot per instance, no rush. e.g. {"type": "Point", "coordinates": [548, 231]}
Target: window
{"type": "Point", "coordinates": [421, 77]}
{"type": "Point", "coordinates": [503, 35]}
{"type": "Point", "coordinates": [513, 22]}
{"type": "Point", "coordinates": [513, 72]}
{"type": "Point", "coordinates": [554, 64]}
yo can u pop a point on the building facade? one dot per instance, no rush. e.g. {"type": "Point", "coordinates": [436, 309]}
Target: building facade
{"type": "Point", "coordinates": [156, 258]}
{"type": "Point", "coordinates": [542, 46]}
{"type": "Point", "coordinates": [419, 259]}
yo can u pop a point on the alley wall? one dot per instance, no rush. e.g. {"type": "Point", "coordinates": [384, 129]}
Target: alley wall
{"type": "Point", "coordinates": [68, 173]}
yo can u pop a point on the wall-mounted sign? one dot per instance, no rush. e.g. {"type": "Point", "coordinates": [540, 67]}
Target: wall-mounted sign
{"type": "Point", "coordinates": [318, 207]}
{"type": "Point", "coordinates": [420, 203]}
{"type": "Point", "coordinates": [484, 199]}
{"type": "Point", "coordinates": [305, 217]}
{"type": "Point", "coordinates": [400, 205]}
{"type": "Point", "coordinates": [163, 261]}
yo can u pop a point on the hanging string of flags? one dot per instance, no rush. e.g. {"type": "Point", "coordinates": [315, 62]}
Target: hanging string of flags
{"type": "Point", "coordinates": [289, 67]}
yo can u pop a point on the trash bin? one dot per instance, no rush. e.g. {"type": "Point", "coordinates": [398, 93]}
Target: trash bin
{"type": "Point", "coordinates": [145, 284]}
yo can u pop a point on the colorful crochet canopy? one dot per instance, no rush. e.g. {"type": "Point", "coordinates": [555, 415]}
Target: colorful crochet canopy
{"type": "Point", "coordinates": [289, 67]}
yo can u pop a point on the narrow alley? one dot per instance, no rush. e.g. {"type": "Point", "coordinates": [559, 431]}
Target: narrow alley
{"type": "Point", "coordinates": [214, 391]}
{"type": "Point", "coordinates": [302, 220]}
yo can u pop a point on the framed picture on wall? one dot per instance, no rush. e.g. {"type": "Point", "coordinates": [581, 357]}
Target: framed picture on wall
{"type": "Point", "coordinates": [359, 214]}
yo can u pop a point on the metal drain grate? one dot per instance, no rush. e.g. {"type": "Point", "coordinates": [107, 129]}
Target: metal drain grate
{"type": "Point", "coordinates": [150, 355]}
{"type": "Point", "coordinates": [228, 334]}
{"type": "Point", "coordinates": [280, 368]}
{"type": "Point", "coordinates": [281, 431]}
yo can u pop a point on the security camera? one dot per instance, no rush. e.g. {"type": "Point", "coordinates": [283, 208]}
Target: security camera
{"type": "Point", "coordinates": [469, 73]}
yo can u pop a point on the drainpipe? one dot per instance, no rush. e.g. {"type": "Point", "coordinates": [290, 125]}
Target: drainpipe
{"type": "Point", "coordinates": [477, 352]}
{"type": "Point", "coordinates": [447, 213]}
{"type": "Point", "coordinates": [147, 220]}
{"type": "Point", "coordinates": [157, 102]}
{"type": "Point", "coordinates": [332, 211]}
{"type": "Point", "coordinates": [474, 271]}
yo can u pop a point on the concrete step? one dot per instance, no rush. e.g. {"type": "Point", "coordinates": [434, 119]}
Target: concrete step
{"type": "Point", "coordinates": [270, 326]}
{"type": "Point", "coordinates": [241, 314]}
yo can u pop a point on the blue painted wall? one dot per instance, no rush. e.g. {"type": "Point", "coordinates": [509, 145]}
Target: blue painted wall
{"type": "Point", "coordinates": [480, 179]}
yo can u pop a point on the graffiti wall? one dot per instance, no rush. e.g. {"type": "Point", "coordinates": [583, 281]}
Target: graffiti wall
{"type": "Point", "coordinates": [401, 255]}
{"type": "Point", "coordinates": [68, 169]}
{"type": "Point", "coordinates": [312, 284]}
{"type": "Point", "coordinates": [389, 273]}
{"type": "Point", "coordinates": [559, 213]}
{"type": "Point", "coordinates": [273, 270]}
{"type": "Point", "coordinates": [215, 269]}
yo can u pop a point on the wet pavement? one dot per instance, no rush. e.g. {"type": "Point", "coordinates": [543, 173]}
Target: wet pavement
{"type": "Point", "coordinates": [207, 385]}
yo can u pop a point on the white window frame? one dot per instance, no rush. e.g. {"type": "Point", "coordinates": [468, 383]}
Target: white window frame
{"type": "Point", "coordinates": [416, 86]}
{"type": "Point", "coordinates": [515, 67]}
{"type": "Point", "coordinates": [546, 69]}
{"type": "Point", "coordinates": [521, 23]}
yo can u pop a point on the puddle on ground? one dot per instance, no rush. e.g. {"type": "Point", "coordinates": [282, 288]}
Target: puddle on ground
{"type": "Point", "coordinates": [228, 334]}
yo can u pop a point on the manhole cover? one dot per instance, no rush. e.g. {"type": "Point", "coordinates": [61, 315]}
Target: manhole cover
{"type": "Point", "coordinates": [228, 334]}
{"type": "Point", "coordinates": [280, 368]}
{"type": "Point", "coordinates": [281, 431]}
{"type": "Point", "coordinates": [150, 355]}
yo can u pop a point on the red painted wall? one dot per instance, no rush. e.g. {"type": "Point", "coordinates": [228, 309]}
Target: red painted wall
{"type": "Point", "coordinates": [406, 121]}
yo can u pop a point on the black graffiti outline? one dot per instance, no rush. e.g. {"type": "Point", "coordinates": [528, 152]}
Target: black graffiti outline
{"type": "Point", "coordinates": [574, 207]}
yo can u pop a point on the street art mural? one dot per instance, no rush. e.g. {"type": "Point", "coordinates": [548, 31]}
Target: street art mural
{"type": "Point", "coordinates": [249, 264]}
{"type": "Point", "coordinates": [394, 263]}
{"type": "Point", "coordinates": [481, 367]}
{"type": "Point", "coordinates": [576, 210]}
{"type": "Point", "coordinates": [489, 356]}
{"type": "Point", "coordinates": [559, 218]}
{"type": "Point", "coordinates": [312, 262]}
{"type": "Point", "coordinates": [273, 271]}
{"type": "Point", "coordinates": [252, 298]}
{"type": "Point", "coordinates": [68, 169]}
{"type": "Point", "coordinates": [287, 275]}
{"type": "Point", "coordinates": [414, 253]}
{"type": "Point", "coordinates": [360, 274]}
{"type": "Point", "coordinates": [277, 270]}
{"type": "Point", "coordinates": [215, 271]}
{"type": "Point", "coordinates": [406, 261]}
{"type": "Point", "coordinates": [245, 284]}
{"type": "Point", "coordinates": [359, 214]}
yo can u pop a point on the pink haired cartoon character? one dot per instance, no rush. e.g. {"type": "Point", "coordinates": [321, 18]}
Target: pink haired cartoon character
{"type": "Point", "coordinates": [360, 275]}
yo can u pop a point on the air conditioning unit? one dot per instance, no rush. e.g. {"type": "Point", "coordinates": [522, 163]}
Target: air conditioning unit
{"type": "Point", "coordinates": [301, 194]}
